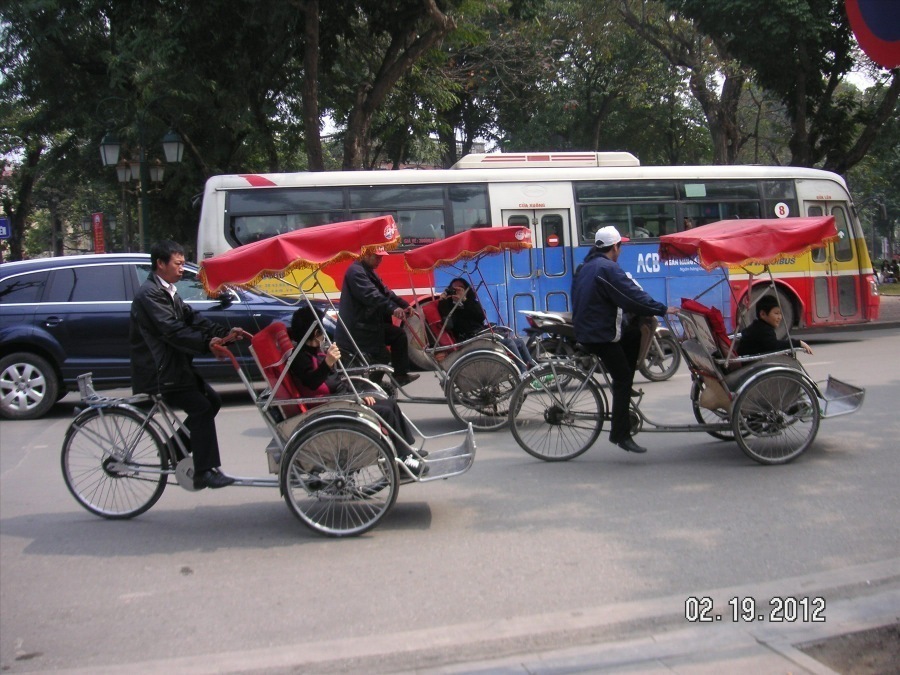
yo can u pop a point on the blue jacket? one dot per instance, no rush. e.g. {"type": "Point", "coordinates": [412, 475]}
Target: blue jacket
{"type": "Point", "coordinates": [602, 295]}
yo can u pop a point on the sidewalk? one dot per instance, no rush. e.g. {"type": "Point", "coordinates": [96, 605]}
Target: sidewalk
{"type": "Point", "coordinates": [890, 310]}
{"type": "Point", "coordinates": [858, 599]}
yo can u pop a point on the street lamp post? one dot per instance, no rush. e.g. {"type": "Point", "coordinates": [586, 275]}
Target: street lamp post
{"type": "Point", "coordinates": [141, 170]}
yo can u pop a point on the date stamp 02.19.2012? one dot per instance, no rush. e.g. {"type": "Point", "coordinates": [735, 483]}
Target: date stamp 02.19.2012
{"type": "Point", "coordinates": [788, 609]}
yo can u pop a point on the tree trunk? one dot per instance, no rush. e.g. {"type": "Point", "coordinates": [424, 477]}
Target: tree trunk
{"type": "Point", "coordinates": [19, 207]}
{"type": "Point", "coordinates": [311, 137]}
{"type": "Point", "coordinates": [844, 162]}
{"type": "Point", "coordinates": [405, 49]}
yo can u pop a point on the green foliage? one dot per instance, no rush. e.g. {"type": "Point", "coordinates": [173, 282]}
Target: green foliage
{"type": "Point", "coordinates": [800, 50]}
{"type": "Point", "coordinates": [400, 85]}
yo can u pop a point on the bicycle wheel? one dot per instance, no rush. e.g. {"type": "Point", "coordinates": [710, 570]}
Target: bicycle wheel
{"type": "Point", "coordinates": [113, 462]}
{"type": "Point", "coordinates": [556, 413]}
{"type": "Point", "coordinates": [478, 390]}
{"type": "Point", "coordinates": [775, 418]}
{"type": "Point", "coordinates": [662, 359]}
{"type": "Point", "coordinates": [339, 477]}
{"type": "Point", "coordinates": [707, 416]}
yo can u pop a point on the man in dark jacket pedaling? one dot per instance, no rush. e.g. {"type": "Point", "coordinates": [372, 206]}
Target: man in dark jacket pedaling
{"type": "Point", "coordinates": [165, 335]}
{"type": "Point", "coordinates": [606, 304]}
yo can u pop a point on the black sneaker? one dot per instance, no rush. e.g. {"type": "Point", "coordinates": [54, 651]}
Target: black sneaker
{"type": "Point", "coordinates": [403, 380]}
{"type": "Point", "coordinates": [418, 468]}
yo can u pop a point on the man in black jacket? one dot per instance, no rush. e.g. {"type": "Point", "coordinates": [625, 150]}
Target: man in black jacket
{"type": "Point", "coordinates": [605, 304]}
{"type": "Point", "coordinates": [367, 307]}
{"type": "Point", "coordinates": [165, 335]}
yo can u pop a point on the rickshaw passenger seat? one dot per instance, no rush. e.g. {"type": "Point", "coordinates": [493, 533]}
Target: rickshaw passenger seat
{"type": "Point", "coordinates": [271, 348]}
{"type": "Point", "coordinates": [716, 323]}
{"type": "Point", "coordinates": [435, 323]}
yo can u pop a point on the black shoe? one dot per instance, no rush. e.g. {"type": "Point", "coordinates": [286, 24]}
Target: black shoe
{"type": "Point", "coordinates": [403, 380]}
{"type": "Point", "coordinates": [637, 392]}
{"type": "Point", "coordinates": [628, 445]}
{"type": "Point", "coordinates": [212, 479]}
{"type": "Point", "coordinates": [418, 468]}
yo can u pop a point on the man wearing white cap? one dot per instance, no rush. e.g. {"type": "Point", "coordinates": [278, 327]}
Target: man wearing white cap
{"type": "Point", "coordinates": [605, 302]}
{"type": "Point", "coordinates": [367, 306]}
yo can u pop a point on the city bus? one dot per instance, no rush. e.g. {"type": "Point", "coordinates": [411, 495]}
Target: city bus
{"type": "Point", "coordinates": [564, 197]}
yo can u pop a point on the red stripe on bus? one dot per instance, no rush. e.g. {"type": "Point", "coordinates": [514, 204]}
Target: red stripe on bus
{"type": "Point", "coordinates": [256, 180]}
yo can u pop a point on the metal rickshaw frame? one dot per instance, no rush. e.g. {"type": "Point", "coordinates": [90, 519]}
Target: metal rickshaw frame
{"type": "Point", "coordinates": [478, 374]}
{"type": "Point", "coordinates": [768, 403]}
{"type": "Point", "coordinates": [336, 463]}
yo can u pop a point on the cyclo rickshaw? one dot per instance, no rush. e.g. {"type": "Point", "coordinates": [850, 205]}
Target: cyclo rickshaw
{"type": "Point", "coordinates": [479, 374]}
{"type": "Point", "coordinates": [333, 458]}
{"type": "Point", "coordinates": [767, 404]}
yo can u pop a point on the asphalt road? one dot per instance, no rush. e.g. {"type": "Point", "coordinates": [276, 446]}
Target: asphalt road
{"type": "Point", "coordinates": [515, 555]}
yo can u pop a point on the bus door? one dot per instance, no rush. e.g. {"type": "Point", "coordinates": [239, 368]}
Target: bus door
{"type": "Point", "coordinates": [542, 277]}
{"type": "Point", "coordinates": [834, 269]}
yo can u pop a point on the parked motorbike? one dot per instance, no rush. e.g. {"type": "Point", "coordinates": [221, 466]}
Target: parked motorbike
{"type": "Point", "coordinates": [551, 334]}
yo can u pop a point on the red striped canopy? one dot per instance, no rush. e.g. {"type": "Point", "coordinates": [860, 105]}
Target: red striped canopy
{"type": "Point", "coordinates": [467, 245]}
{"type": "Point", "coordinates": [745, 242]}
{"type": "Point", "coordinates": [311, 248]}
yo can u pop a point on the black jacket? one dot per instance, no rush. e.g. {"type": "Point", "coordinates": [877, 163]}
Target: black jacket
{"type": "Point", "coordinates": [602, 295]}
{"type": "Point", "coordinates": [165, 336]}
{"type": "Point", "coordinates": [760, 338]}
{"type": "Point", "coordinates": [467, 320]}
{"type": "Point", "coordinates": [366, 308]}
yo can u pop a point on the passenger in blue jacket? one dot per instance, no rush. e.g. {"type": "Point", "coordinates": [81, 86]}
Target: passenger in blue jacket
{"type": "Point", "coordinates": [605, 304]}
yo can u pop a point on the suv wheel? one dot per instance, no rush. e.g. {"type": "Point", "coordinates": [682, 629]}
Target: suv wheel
{"type": "Point", "coordinates": [28, 386]}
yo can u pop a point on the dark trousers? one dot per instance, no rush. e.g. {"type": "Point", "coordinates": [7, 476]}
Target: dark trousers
{"type": "Point", "coordinates": [620, 360]}
{"type": "Point", "coordinates": [200, 405]}
{"type": "Point", "coordinates": [395, 338]}
{"type": "Point", "coordinates": [389, 411]}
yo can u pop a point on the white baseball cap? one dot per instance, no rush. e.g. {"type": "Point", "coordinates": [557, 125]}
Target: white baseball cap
{"type": "Point", "coordinates": [608, 236]}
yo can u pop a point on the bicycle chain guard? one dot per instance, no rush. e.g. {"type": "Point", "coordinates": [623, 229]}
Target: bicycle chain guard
{"type": "Point", "coordinates": [184, 474]}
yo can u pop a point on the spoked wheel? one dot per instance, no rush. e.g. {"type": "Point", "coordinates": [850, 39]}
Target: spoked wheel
{"type": "Point", "coordinates": [113, 462]}
{"type": "Point", "coordinates": [339, 477]}
{"type": "Point", "coordinates": [479, 388]}
{"type": "Point", "coordinates": [707, 416]}
{"type": "Point", "coordinates": [663, 359]}
{"type": "Point", "coordinates": [775, 418]}
{"type": "Point", "coordinates": [543, 349]}
{"type": "Point", "coordinates": [556, 417]}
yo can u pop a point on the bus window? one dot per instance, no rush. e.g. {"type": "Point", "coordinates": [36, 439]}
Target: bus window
{"type": "Point", "coordinates": [654, 219]}
{"type": "Point", "coordinates": [843, 246]}
{"type": "Point", "coordinates": [470, 207]}
{"type": "Point", "coordinates": [721, 199]}
{"type": "Point", "coordinates": [780, 199]}
{"type": "Point", "coordinates": [818, 253]}
{"type": "Point", "coordinates": [595, 217]}
{"type": "Point", "coordinates": [619, 190]}
{"type": "Point", "coordinates": [418, 228]}
{"type": "Point", "coordinates": [246, 229]}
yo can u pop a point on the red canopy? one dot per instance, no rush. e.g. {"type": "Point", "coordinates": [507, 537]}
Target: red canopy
{"type": "Point", "coordinates": [744, 242]}
{"type": "Point", "coordinates": [467, 245]}
{"type": "Point", "coordinates": [310, 248]}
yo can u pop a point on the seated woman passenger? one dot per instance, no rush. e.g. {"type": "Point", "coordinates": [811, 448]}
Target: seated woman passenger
{"type": "Point", "coordinates": [313, 372]}
{"type": "Point", "coordinates": [468, 320]}
{"type": "Point", "coordinates": [759, 337]}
